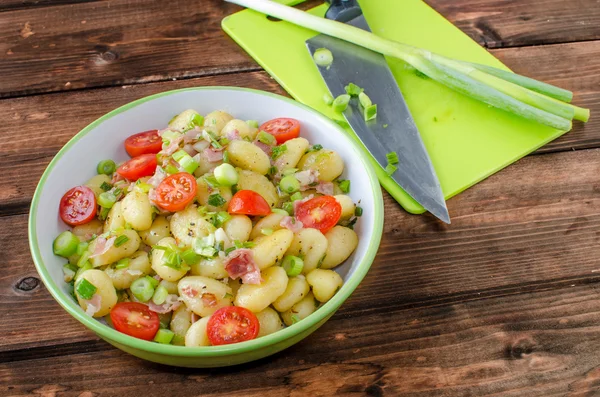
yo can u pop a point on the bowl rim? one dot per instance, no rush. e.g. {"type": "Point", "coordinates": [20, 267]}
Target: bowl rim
{"type": "Point", "coordinates": [315, 318]}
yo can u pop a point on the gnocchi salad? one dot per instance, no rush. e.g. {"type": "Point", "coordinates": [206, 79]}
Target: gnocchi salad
{"type": "Point", "coordinates": [215, 231]}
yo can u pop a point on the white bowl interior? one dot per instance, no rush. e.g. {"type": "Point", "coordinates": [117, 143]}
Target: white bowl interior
{"type": "Point", "coordinates": [104, 140]}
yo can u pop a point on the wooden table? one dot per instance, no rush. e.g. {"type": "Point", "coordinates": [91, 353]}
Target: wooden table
{"type": "Point", "coordinates": [504, 302]}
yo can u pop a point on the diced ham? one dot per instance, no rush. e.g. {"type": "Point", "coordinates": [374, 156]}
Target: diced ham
{"type": "Point", "coordinates": [201, 145]}
{"type": "Point", "coordinates": [158, 177]}
{"type": "Point", "coordinates": [209, 299]}
{"type": "Point", "coordinates": [189, 291]}
{"type": "Point", "coordinates": [307, 178]}
{"type": "Point", "coordinates": [264, 147]}
{"type": "Point", "coordinates": [171, 304]}
{"type": "Point", "coordinates": [192, 135]}
{"type": "Point", "coordinates": [240, 264]}
{"type": "Point", "coordinates": [304, 200]}
{"type": "Point", "coordinates": [233, 135]}
{"type": "Point", "coordinates": [291, 224]}
{"type": "Point", "coordinates": [116, 178]}
{"type": "Point", "coordinates": [173, 146]}
{"type": "Point", "coordinates": [213, 155]}
{"type": "Point", "coordinates": [189, 149]}
{"type": "Point", "coordinates": [102, 245]}
{"type": "Point", "coordinates": [93, 305]}
{"type": "Point", "coordinates": [325, 188]}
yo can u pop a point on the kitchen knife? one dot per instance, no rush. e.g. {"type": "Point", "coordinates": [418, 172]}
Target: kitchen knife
{"type": "Point", "coordinates": [394, 129]}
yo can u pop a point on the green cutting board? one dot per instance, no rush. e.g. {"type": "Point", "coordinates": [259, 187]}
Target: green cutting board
{"type": "Point", "coordinates": [466, 139]}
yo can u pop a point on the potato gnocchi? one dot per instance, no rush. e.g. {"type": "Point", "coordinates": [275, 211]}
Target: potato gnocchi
{"type": "Point", "coordinates": [225, 232]}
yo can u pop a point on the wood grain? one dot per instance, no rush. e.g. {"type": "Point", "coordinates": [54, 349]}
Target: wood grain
{"type": "Point", "coordinates": [10, 5]}
{"type": "Point", "coordinates": [537, 344]}
{"type": "Point", "coordinates": [532, 227]}
{"type": "Point", "coordinates": [511, 23]}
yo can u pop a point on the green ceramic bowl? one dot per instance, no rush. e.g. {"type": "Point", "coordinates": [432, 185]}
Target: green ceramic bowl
{"type": "Point", "coordinates": [76, 162]}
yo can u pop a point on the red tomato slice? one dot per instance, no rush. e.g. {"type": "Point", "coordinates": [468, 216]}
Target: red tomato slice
{"type": "Point", "coordinates": [248, 202]}
{"type": "Point", "coordinates": [283, 129]}
{"type": "Point", "coordinates": [232, 324]}
{"type": "Point", "coordinates": [135, 319]}
{"type": "Point", "coordinates": [176, 191]}
{"type": "Point", "coordinates": [78, 206]}
{"type": "Point", "coordinates": [137, 167]}
{"type": "Point", "coordinates": [320, 213]}
{"type": "Point", "coordinates": [143, 143]}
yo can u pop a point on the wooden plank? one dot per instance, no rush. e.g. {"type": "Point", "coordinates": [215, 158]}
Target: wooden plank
{"type": "Point", "coordinates": [534, 226]}
{"type": "Point", "coordinates": [114, 42]}
{"type": "Point", "coordinates": [538, 344]}
{"type": "Point", "coordinates": [28, 116]}
{"type": "Point", "coordinates": [502, 23]}
{"type": "Point", "coordinates": [10, 5]}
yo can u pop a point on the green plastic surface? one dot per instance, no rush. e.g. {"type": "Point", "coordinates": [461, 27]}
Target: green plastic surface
{"type": "Point", "coordinates": [466, 139]}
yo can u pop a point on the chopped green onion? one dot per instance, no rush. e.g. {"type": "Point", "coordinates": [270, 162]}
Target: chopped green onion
{"type": "Point", "coordinates": [315, 148]}
{"type": "Point", "coordinates": [142, 289]}
{"type": "Point", "coordinates": [370, 112]}
{"type": "Point", "coordinates": [272, 170]}
{"type": "Point", "coordinates": [358, 211]}
{"type": "Point", "coordinates": [392, 158]}
{"type": "Point", "coordinates": [69, 272]}
{"type": "Point", "coordinates": [119, 241]}
{"type": "Point", "coordinates": [172, 259]}
{"type": "Point", "coordinates": [65, 244]}
{"type": "Point", "coordinates": [122, 263]}
{"type": "Point", "coordinates": [278, 151]}
{"type": "Point", "coordinates": [185, 161]}
{"type": "Point", "coordinates": [289, 171]}
{"type": "Point", "coordinates": [295, 318]}
{"type": "Point", "coordinates": [364, 100]}
{"type": "Point", "coordinates": [190, 257]}
{"type": "Point", "coordinates": [216, 200]}
{"type": "Point", "coordinates": [353, 90]}
{"type": "Point", "coordinates": [328, 99]}
{"type": "Point", "coordinates": [225, 156]}
{"type": "Point", "coordinates": [387, 125]}
{"type": "Point", "coordinates": [169, 136]}
{"type": "Point", "coordinates": [266, 138]}
{"type": "Point", "coordinates": [164, 336]}
{"type": "Point", "coordinates": [198, 120]}
{"type": "Point", "coordinates": [252, 123]}
{"type": "Point", "coordinates": [107, 199]}
{"type": "Point", "coordinates": [390, 169]}
{"type": "Point", "coordinates": [226, 175]}
{"type": "Point", "coordinates": [211, 181]}
{"type": "Point", "coordinates": [296, 196]}
{"type": "Point", "coordinates": [154, 282]}
{"type": "Point", "coordinates": [266, 232]}
{"type": "Point", "coordinates": [222, 217]}
{"type": "Point", "coordinates": [289, 184]}
{"type": "Point", "coordinates": [171, 169]}
{"type": "Point", "coordinates": [83, 259]}
{"type": "Point", "coordinates": [103, 213]}
{"type": "Point", "coordinates": [224, 141]}
{"type": "Point", "coordinates": [288, 208]}
{"type": "Point", "coordinates": [341, 103]}
{"type": "Point", "coordinates": [279, 211]}
{"type": "Point", "coordinates": [292, 265]}
{"type": "Point", "coordinates": [86, 266]}
{"type": "Point", "coordinates": [106, 167]}
{"type": "Point", "coordinates": [142, 186]}
{"type": "Point", "coordinates": [160, 295]}
{"type": "Point", "coordinates": [229, 250]}
{"type": "Point", "coordinates": [323, 57]}
{"type": "Point", "coordinates": [105, 186]}
{"type": "Point", "coordinates": [344, 185]}
{"type": "Point", "coordinates": [85, 289]}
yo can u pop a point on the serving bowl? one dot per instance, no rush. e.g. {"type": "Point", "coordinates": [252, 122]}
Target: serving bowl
{"type": "Point", "coordinates": [76, 162]}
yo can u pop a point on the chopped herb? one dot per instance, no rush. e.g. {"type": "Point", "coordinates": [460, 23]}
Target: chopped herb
{"type": "Point", "coordinates": [341, 103]}
{"type": "Point", "coordinates": [216, 200]}
{"type": "Point", "coordinates": [171, 169]}
{"type": "Point", "coordinates": [353, 90]}
{"type": "Point", "coordinates": [224, 141]}
{"type": "Point", "coordinates": [221, 218]}
{"type": "Point", "coordinates": [278, 151]}
{"type": "Point", "coordinates": [390, 169]}
{"type": "Point", "coordinates": [323, 57]}
{"type": "Point", "coordinates": [315, 148]}
{"type": "Point", "coordinates": [122, 263]}
{"type": "Point", "coordinates": [328, 99]}
{"type": "Point", "coordinates": [352, 222]}
{"type": "Point", "coordinates": [225, 156]}
{"type": "Point", "coordinates": [103, 213]}
{"type": "Point", "coordinates": [385, 126]}
{"type": "Point", "coordinates": [370, 112]}
{"type": "Point", "coordinates": [105, 186]}
{"type": "Point", "coordinates": [272, 170]}
{"type": "Point", "coordinates": [364, 100]}
{"type": "Point", "coordinates": [190, 257]}
{"type": "Point", "coordinates": [358, 211]}
{"type": "Point", "coordinates": [229, 250]}
{"type": "Point", "coordinates": [344, 185]}
{"type": "Point", "coordinates": [121, 240]}
{"type": "Point", "coordinates": [392, 158]}
{"type": "Point", "coordinates": [211, 180]}
{"type": "Point", "coordinates": [85, 289]}
{"type": "Point", "coordinates": [296, 196]}
{"type": "Point", "coordinates": [288, 208]}
{"type": "Point", "coordinates": [289, 171]}
{"type": "Point", "coordinates": [266, 138]}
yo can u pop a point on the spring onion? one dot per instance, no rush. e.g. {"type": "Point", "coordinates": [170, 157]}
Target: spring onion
{"type": "Point", "coordinates": [364, 100]}
{"type": "Point", "coordinates": [197, 120]}
{"type": "Point", "coordinates": [266, 138]}
{"type": "Point", "coordinates": [69, 272]}
{"type": "Point", "coordinates": [344, 185]}
{"type": "Point", "coordinates": [171, 169]}
{"type": "Point", "coordinates": [226, 175]}
{"type": "Point", "coordinates": [328, 99]}
{"type": "Point", "coordinates": [390, 169]}
{"type": "Point", "coordinates": [122, 263]}
{"type": "Point", "coordinates": [252, 123]}
{"type": "Point", "coordinates": [289, 171]}
{"type": "Point", "coordinates": [296, 196]}
{"type": "Point", "coordinates": [107, 199]}
{"type": "Point", "coordinates": [142, 289]}
{"type": "Point", "coordinates": [315, 148]}
{"type": "Point", "coordinates": [279, 211]}
{"type": "Point", "coordinates": [266, 231]}
{"type": "Point", "coordinates": [106, 167]}
{"type": "Point", "coordinates": [221, 218]}
{"type": "Point", "coordinates": [323, 57]}
{"type": "Point", "coordinates": [358, 211]}
{"type": "Point", "coordinates": [65, 244]}
{"type": "Point", "coordinates": [164, 336]}
{"type": "Point", "coordinates": [83, 259]}
{"type": "Point", "coordinates": [341, 103]}
{"type": "Point", "coordinates": [211, 181]}
{"type": "Point", "coordinates": [216, 200]}
{"type": "Point", "coordinates": [85, 289]}
{"type": "Point", "coordinates": [370, 112]}
{"type": "Point", "coordinates": [105, 186]}
{"type": "Point", "coordinates": [225, 156]}
{"type": "Point", "coordinates": [185, 161]}
{"type": "Point", "coordinates": [353, 90]}
{"type": "Point", "coordinates": [82, 269]}
{"type": "Point", "coordinates": [288, 208]}
{"type": "Point", "coordinates": [392, 158]}
{"type": "Point", "coordinates": [292, 265]}
{"type": "Point", "coordinates": [119, 241]}
{"type": "Point", "coordinates": [278, 151]}
{"type": "Point", "coordinates": [289, 184]}
{"type": "Point", "coordinates": [190, 257]}
{"type": "Point", "coordinates": [521, 96]}
{"type": "Point", "coordinates": [160, 295]}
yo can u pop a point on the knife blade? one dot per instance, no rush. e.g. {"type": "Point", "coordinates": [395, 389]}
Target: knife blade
{"type": "Point", "coordinates": [394, 129]}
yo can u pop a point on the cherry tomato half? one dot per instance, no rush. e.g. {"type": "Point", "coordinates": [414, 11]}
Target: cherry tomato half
{"type": "Point", "coordinates": [137, 167]}
{"type": "Point", "coordinates": [232, 324]}
{"type": "Point", "coordinates": [320, 213]}
{"type": "Point", "coordinates": [135, 319]}
{"type": "Point", "coordinates": [143, 143]}
{"type": "Point", "coordinates": [283, 129]}
{"type": "Point", "coordinates": [176, 191]}
{"type": "Point", "coordinates": [248, 202]}
{"type": "Point", "coordinates": [78, 206]}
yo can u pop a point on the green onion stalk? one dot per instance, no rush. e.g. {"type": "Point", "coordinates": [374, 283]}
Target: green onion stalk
{"type": "Point", "coordinates": [520, 95]}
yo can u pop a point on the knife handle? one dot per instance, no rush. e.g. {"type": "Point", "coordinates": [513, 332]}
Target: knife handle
{"type": "Point", "coordinates": [343, 10]}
